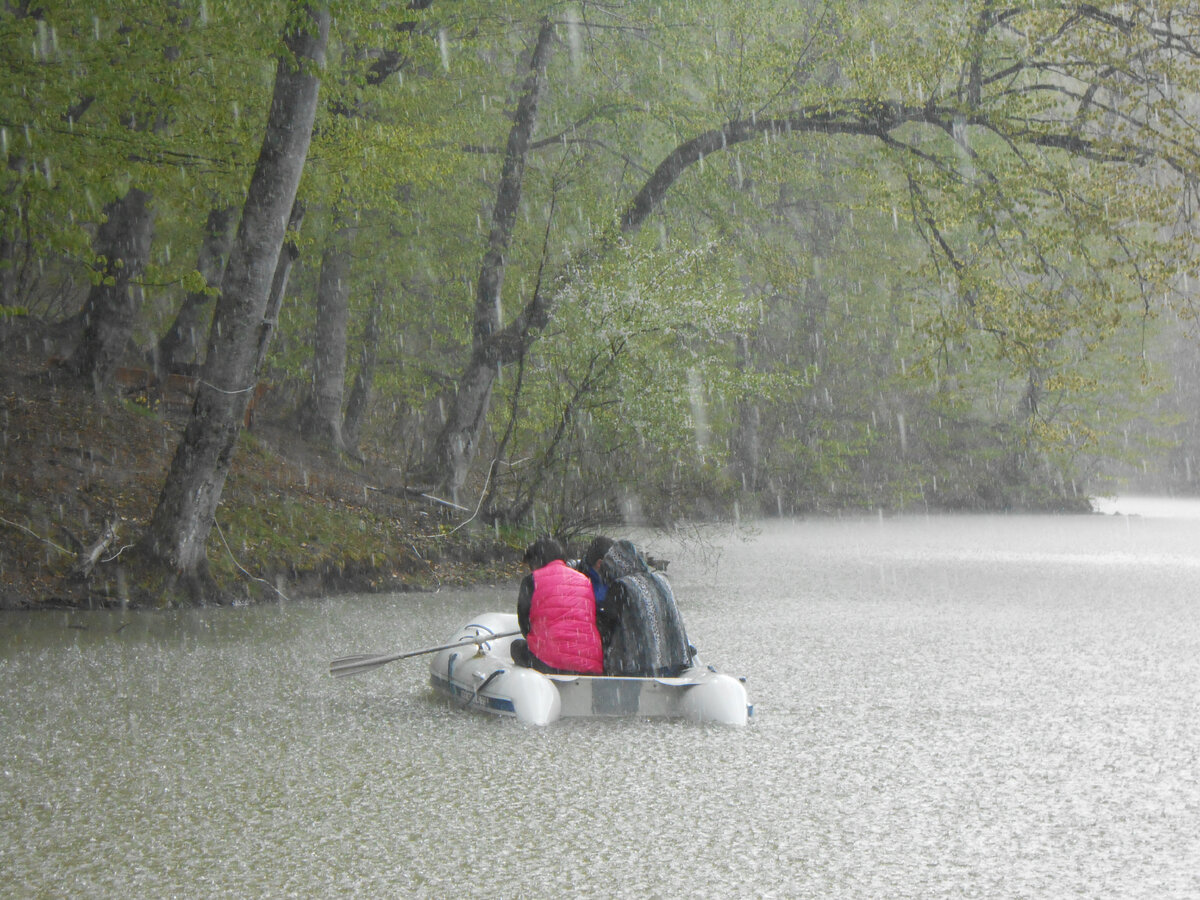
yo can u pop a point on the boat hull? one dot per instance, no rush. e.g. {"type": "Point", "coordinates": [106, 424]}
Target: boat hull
{"type": "Point", "coordinates": [484, 678]}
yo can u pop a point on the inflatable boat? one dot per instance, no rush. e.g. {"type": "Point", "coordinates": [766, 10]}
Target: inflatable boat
{"type": "Point", "coordinates": [476, 671]}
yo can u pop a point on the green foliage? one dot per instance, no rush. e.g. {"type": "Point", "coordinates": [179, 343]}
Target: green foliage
{"type": "Point", "coordinates": [622, 382]}
{"type": "Point", "coordinates": [911, 310]}
{"type": "Point", "coordinates": [95, 101]}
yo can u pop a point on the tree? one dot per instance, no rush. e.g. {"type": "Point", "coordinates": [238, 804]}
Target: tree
{"type": "Point", "coordinates": [368, 154]}
{"type": "Point", "coordinates": [123, 244]}
{"type": "Point", "coordinates": [1005, 161]}
{"type": "Point", "coordinates": [175, 538]}
{"type": "Point", "coordinates": [101, 101]}
{"type": "Point", "coordinates": [364, 377]}
{"type": "Point", "coordinates": [948, 223]}
{"type": "Point", "coordinates": [321, 410]}
{"type": "Point", "coordinates": [491, 346]}
{"type": "Point", "coordinates": [178, 348]}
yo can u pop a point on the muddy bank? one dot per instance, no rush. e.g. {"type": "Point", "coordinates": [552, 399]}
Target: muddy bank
{"type": "Point", "coordinates": [81, 477]}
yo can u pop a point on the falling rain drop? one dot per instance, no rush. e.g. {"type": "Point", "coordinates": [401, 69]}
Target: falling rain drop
{"type": "Point", "coordinates": [699, 410]}
{"type": "Point", "coordinates": [575, 37]}
{"type": "Point", "coordinates": [444, 49]}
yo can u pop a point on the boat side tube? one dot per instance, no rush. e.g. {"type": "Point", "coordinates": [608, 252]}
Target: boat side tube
{"type": "Point", "coordinates": [719, 698]}
{"type": "Point", "coordinates": [534, 697]}
{"type": "Point", "coordinates": [484, 677]}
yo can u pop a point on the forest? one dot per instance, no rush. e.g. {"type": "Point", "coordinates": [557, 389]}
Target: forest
{"type": "Point", "coordinates": [559, 265]}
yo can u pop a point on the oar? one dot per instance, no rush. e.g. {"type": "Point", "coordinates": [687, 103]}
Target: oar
{"type": "Point", "coordinates": [354, 665]}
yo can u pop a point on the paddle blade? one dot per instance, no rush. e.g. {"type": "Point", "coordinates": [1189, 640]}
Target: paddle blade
{"type": "Point", "coordinates": [356, 665]}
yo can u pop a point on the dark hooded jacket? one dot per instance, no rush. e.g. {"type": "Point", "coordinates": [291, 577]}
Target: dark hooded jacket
{"type": "Point", "coordinates": [641, 626]}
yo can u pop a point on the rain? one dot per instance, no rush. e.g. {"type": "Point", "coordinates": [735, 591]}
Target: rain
{"type": "Point", "coordinates": [891, 349]}
{"type": "Point", "coordinates": [953, 689]}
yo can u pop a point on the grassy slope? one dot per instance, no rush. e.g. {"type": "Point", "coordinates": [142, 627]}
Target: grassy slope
{"type": "Point", "coordinates": [291, 518]}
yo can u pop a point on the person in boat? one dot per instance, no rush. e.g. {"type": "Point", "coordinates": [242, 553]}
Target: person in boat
{"type": "Point", "coordinates": [556, 610]}
{"type": "Point", "coordinates": [591, 559]}
{"type": "Point", "coordinates": [643, 630]}
{"type": "Point", "coordinates": [589, 566]}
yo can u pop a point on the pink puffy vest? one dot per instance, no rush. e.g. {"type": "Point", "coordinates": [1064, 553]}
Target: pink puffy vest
{"type": "Point", "coordinates": [562, 620]}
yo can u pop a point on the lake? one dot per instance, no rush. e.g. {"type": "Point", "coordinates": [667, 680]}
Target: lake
{"type": "Point", "coordinates": [954, 706]}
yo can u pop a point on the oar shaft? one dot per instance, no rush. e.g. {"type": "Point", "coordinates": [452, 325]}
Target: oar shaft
{"type": "Point", "coordinates": [353, 665]}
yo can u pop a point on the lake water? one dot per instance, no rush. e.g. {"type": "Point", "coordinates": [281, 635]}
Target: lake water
{"type": "Point", "coordinates": [944, 707]}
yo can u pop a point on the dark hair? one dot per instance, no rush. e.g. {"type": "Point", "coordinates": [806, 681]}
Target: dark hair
{"type": "Point", "coordinates": [542, 551]}
{"type": "Point", "coordinates": [596, 550]}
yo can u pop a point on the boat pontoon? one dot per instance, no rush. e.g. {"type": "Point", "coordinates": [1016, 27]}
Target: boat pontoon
{"type": "Point", "coordinates": [477, 672]}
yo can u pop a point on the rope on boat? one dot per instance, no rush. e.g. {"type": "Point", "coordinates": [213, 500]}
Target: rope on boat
{"type": "Point", "coordinates": [481, 686]}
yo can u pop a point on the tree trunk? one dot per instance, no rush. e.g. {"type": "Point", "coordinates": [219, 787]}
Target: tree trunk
{"type": "Point", "coordinates": [360, 392]}
{"type": "Point", "coordinates": [456, 444]}
{"type": "Point", "coordinates": [747, 454]}
{"type": "Point", "coordinates": [179, 347]}
{"type": "Point", "coordinates": [175, 539]}
{"type": "Point", "coordinates": [321, 411]}
{"type": "Point", "coordinates": [10, 274]}
{"type": "Point", "coordinates": [123, 241]}
{"type": "Point", "coordinates": [279, 282]}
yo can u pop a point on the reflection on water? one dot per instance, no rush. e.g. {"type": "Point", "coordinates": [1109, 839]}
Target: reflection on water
{"type": "Point", "coordinates": [944, 707]}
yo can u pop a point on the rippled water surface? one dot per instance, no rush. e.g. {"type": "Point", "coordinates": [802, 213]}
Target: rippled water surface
{"type": "Point", "coordinates": [944, 707]}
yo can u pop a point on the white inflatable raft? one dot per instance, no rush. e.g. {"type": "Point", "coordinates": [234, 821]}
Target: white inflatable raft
{"type": "Point", "coordinates": [482, 676]}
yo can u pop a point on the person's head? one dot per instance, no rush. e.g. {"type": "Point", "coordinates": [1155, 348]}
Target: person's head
{"type": "Point", "coordinates": [542, 551]}
{"type": "Point", "coordinates": [596, 550]}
